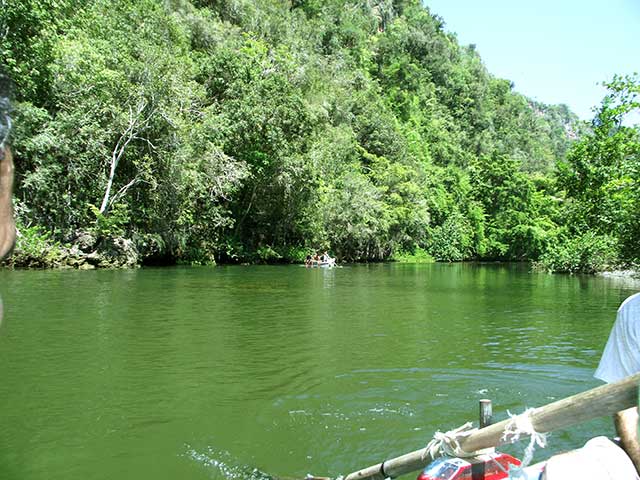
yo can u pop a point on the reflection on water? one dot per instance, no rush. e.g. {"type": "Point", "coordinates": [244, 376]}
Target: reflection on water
{"type": "Point", "coordinates": [109, 374]}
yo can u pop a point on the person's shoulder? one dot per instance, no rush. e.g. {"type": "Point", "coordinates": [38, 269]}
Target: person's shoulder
{"type": "Point", "coordinates": [631, 302]}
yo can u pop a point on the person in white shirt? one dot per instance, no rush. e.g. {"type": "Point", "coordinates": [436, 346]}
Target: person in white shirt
{"type": "Point", "coordinates": [621, 358]}
{"type": "Point", "coordinates": [600, 458]}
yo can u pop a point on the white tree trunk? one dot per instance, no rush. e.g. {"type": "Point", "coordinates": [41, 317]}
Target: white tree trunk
{"type": "Point", "coordinates": [136, 124]}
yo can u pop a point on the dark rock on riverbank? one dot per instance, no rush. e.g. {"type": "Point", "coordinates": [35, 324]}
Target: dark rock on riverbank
{"type": "Point", "coordinates": [84, 251]}
{"type": "Point", "coordinates": [115, 252]}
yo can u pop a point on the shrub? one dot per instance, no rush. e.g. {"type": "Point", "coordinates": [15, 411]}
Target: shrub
{"type": "Point", "coordinates": [417, 255]}
{"type": "Point", "coordinates": [452, 241]}
{"type": "Point", "coordinates": [112, 224]}
{"type": "Point", "coordinates": [295, 254]}
{"type": "Point", "coordinates": [266, 254]}
{"type": "Point", "coordinates": [35, 248]}
{"type": "Point", "coordinates": [587, 253]}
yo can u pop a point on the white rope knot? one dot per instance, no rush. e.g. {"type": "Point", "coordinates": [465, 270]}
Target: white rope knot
{"type": "Point", "coordinates": [519, 426]}
{"type": "Point", "coordinates": [448, 443]}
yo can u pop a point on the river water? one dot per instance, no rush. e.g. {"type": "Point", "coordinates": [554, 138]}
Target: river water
{"type": "Point", "coordinates": [209, 373]}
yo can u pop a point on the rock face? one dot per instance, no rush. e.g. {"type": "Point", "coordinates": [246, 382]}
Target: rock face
{"type": "Point", "coordinates": [116, 252]}
{"type": "Point", "coordinates": [151, 249]}
{"type": "Point", "coordinates": [85, 242]}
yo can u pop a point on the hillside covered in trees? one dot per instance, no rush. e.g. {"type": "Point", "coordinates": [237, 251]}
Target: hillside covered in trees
{"type": "Point", "coordinates": [249, 130]}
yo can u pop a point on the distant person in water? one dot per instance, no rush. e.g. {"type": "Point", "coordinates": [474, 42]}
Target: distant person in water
{"type": "Point", "coordinates": [327, 259]}
{"type": "Point", "coordinates": [620, 359]}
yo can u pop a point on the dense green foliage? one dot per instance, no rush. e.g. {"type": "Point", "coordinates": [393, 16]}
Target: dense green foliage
{"type": "Point", "coordinates": [601, 182]}
{"type": "Point", "coordinates": [246, 130]}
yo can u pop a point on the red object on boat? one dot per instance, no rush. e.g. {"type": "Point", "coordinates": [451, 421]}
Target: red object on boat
{"type": "Point", "coordinates": [490, 466]}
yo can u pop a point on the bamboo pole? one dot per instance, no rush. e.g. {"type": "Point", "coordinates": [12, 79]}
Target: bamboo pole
{"type": "Point", "coordinates": [597, 402]}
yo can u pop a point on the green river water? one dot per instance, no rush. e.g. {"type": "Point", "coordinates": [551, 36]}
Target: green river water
{"type": "Point", "coordinates": [208, 373]}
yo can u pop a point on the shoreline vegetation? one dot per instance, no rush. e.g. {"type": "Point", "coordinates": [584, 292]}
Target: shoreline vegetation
{"type": "Point", "coordinates": [160, 132]}
{"type": "Point", "coordinates": [87, 253]}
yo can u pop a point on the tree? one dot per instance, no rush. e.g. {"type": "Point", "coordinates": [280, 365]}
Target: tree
{"type": "Point", "coordinates": [241, 130]}
{"type": "Point", "coordinates": [601, 175]}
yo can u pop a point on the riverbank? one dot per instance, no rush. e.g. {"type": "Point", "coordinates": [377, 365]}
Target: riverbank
{"type": "Point", "coordinates": [86, 250]}
{"type": "Point", "coordinates": [36, 250]}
